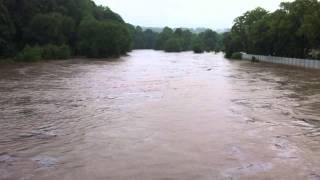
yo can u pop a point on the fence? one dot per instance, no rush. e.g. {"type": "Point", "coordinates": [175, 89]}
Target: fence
{"type": "Point", "coordinates": [306, 63]}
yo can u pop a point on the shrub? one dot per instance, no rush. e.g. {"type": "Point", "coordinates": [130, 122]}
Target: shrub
{"type": "Point", "coordinates": [64, 52]}
{"type": "Point", "coordinates": [197, 46]}
{"type": "Point", "coordinates": [30, 54]}
{"type": "Point", "coordinates": [50, 51]}
{"type": "Point", "coordinates": [236, 55]}
{"type": "Point", "coordinates": [173, 45]}
{"type": "Point", "coordinates": [56, 52]}
{"type": "Point", "coordinates": [197, 49]}
{"type": "Point", "coordinates": [228, 55]}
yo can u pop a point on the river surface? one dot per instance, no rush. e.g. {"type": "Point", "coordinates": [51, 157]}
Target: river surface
{"type": "Point", "coordinates": [159, 116]}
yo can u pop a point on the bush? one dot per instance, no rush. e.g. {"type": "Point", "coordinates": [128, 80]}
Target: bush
{"type": "Point", "coordinates": [228, 54]}
{"type": "Point", "coordinates": [197, 48]}
{"type": "Point", "coordinates": [65, 52]}
{"type": "Point", "coordinates": [56, 52]}
{"type": "Point", "coordinates": [236, 55]}
{"type": "Point", "coordinates": [30, 54]}
{"type": "Point", "coordinates": [49, 51]}
{"type": "Point", "coordinates": [173, 45]}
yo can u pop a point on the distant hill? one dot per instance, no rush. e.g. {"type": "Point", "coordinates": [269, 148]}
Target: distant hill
{"type": "Point", "coordinates": [223, 30]}
{"type": "Point", "coordinates": [193, 30]}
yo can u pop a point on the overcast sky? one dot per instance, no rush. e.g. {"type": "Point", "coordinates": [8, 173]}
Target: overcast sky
{"type": "Point", "coordinates": [216, 14]}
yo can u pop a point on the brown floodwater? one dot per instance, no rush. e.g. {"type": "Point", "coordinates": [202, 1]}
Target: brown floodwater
{"type": "Point", "coordinates": [159, 116]}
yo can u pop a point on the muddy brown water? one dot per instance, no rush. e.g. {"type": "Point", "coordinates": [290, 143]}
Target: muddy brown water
{"type": "Point", "coordinates": [159, 116]}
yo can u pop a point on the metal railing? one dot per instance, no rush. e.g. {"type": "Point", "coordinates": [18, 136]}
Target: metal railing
{"type": "Point", "coordinates": [306, 63]}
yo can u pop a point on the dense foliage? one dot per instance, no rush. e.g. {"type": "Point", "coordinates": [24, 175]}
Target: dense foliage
{"type": "Point", "coordinates": [30, 54]}
{"type": "Point", "coordinates": [176, 40]}
{"type": "Point", "coordinates": [291, 31]}
{"type": "Point", "coordinates": [49, 52]}
{"type": "Point", "coordinates": [103, 38]}
{"type": "Point", "coordinates": [79, 25]}
{"type": "Point", "coordinates": [236, 55]}
{"type": "Point", "coordinates": [55, 29]}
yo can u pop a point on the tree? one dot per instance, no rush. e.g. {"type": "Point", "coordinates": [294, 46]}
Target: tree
{"type": "Point", "coordinates": [163, 37]}
{"type": "Point", "coordinates": [198, 45]}
{"type": "Point", "coordinates": [103, 13]}
{"type": "Point", "coordinates": [51, 28]}
{"type": "Point", "coordinates": [243, 26]}
{"type": "Point", "coordinates": [102, 39]}
{"type": "Point", "coordinates": [175, 40]}
{"type": "Point", "coordinates": [210, 40]}
{"type": "Point", "coordinates": [150, 39]}
{"type": "Point", "coordinates": [139, 38]}
{"type": "Point", "coordinates": [58, 22]}
{"type": "Point", "coordinates": [291, 31]}
{"type": "Point", "coordinates": [7, 32]}
{"type": "Point", "coordinates": [186, 40]}
{"type": "Point", "coordinates": [173, 45]}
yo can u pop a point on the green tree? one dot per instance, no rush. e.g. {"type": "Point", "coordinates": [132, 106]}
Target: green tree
{"type": "Point", "coordinates": [51, 28]}
{"type": "Point", "coordinates": [291, 31]}
{"type": "Point", "coordinates": [57, 22]}
{"type": "Point", "coordinates": [186, 37]}
{"type": "Point", "coordinates": [173, 45]}
{"type": "Point", "coordinates": [105, 13]}
{"type": "Point", "coordinates": [198, 45]}
{"type": "Point", "coordinates": [101, 39]}
{"type": "Point", "coordinates": [139, 38]}
{"type": "Point", "coordinates": [7, 31]}
{"type": "Point", "coordinates": [210, 40]}
{"type": "Point", "coordinates": [150, 39]}
{"type": "Point", "coordinates": [163, 37]}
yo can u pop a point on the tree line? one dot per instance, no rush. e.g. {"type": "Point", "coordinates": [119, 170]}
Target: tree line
{"type": "Point", "coordinates": [176, 40]}
{"type": "Point", "coordinates": [55, 29]}
{"type": "Point", "coordinates": [291, 31]}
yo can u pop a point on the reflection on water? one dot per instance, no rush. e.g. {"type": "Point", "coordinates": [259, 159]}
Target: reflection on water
{"type": "Point", "coordinates": [154, 115]}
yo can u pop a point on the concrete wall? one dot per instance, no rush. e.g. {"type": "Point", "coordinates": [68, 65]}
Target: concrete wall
{"type": "Point", "coordinates": [306, 63]}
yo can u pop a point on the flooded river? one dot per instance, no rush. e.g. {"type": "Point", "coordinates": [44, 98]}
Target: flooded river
{"type": "Point", "coordinates": [159, 116]}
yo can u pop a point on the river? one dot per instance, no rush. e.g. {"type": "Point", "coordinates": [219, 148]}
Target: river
{"type": "Point", "coordinates": [159, 116]}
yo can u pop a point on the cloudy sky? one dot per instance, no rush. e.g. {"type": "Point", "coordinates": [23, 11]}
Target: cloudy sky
{"type": "Point", "coordinates": [216, 14]}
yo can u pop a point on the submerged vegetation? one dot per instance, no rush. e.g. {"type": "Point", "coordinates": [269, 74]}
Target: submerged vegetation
{"type": "Point", "coordinates": [291, 31]}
